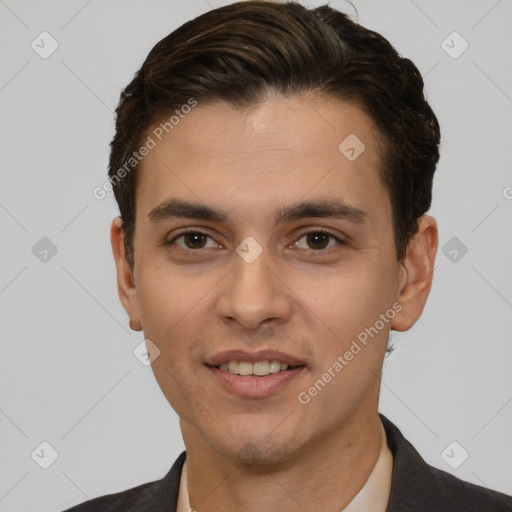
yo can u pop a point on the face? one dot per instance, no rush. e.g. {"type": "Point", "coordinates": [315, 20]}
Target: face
{"type": "Point", "coordinates": [257, 240]}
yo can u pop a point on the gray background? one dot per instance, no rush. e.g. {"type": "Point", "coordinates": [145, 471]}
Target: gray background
{"type": "Point", "coordinates": [68, 373]}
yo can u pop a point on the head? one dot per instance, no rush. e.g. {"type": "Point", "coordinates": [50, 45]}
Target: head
{"type": "Point", "coordinates": [245, 112]}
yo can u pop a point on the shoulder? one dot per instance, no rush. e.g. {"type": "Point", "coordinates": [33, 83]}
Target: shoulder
{"type": "Point", "coordinates": [469, 497]}
{"type": "Point", "coordinates": [126, 500]}
{"type": "Point", "coordinates": [160, 495]}
{"type": "Point", "coordinates": [418, 486]}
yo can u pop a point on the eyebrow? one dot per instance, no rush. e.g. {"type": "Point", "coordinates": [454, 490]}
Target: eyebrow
{"type": "Point", "coordinates": [333, 208]}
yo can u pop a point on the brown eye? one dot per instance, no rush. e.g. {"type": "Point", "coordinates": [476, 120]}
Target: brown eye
{"type": "Point", "coordinates": [193, 240]}
{"type": "Point", "coordinates": [318, 240]}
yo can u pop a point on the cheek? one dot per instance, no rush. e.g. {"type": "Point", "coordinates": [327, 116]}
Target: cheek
{"type": "Point", "coordinates": [347, 300]}
{"type": "Point", "coordinates": [167, 308]}
{"type": "Point", "coordinates": [173, 309]}
{"type": "Point", "coordinates": [167, 294]}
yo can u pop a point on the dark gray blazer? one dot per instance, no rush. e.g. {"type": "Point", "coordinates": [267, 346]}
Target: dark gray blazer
{"type": "Point", "coordinates": [415, 487]}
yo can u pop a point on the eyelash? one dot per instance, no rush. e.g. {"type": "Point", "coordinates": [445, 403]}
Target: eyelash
{"type": "Point", "coordinates": [314, 231]}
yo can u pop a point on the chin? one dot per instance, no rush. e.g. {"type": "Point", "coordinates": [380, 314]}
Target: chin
{"type": "Point", "coordinates": [251, 439]}
{"type": "Point", "coordinates": [251, 454]}
{"type": "Point", "coordinates": [258, 453]}
{"type": "Point", "coordinates": [258, 449]}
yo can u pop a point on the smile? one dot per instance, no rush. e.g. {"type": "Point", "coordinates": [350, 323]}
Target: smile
{"type": "Point", "coordinates": [257, 369]}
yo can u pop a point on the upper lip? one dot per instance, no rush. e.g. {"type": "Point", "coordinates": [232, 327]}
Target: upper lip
{"type": "Point", "coordinates": [253, 357]}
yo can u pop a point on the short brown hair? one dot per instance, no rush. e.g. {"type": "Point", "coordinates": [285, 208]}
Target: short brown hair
{"type": "Point", "coordinates": [238, 53]}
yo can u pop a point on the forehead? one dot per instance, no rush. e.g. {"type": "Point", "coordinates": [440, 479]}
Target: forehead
{"type": "Point", "coordinates": [300, 124]}
{"type": "Point", "coordinates": [281, 150]}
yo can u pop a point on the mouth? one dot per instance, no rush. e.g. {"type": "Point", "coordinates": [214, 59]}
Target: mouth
{"type": "Point", "coordinates": [257, 369]}
{"type": "Point", "coordinates": [255, 375]}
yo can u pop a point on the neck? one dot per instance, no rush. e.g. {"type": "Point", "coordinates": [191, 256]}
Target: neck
{"type": "Point", "coordinates": [326, 474]}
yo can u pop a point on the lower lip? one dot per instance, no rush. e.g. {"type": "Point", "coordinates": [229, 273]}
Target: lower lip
{"type": "Point", "coordinates": [253, 386]}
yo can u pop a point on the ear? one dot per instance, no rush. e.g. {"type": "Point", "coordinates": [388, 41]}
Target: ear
{"type": "Point", "coordinates": [416, 274]}
{"type": "Point", "coordinates": [125, 278]}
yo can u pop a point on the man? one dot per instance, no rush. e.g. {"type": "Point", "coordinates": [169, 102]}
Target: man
{"type": "Point", "coordinates": [273, 167]}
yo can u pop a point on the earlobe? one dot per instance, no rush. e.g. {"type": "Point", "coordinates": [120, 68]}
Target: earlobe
{"type": "Point", "coordinates": [416, 274]}
{"type": "Point", "coordinates": [125, 277]}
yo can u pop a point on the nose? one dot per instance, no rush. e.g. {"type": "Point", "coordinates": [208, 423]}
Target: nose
{"type": "Point", "coordinates": [254, 293]}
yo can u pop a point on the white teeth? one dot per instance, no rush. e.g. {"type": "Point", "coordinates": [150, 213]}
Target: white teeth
{"type": "Point", "coordinates": [245, 368]}
{"type": "Point", "coordinates": [233, 367]}
{"type": "Point", "coordinates": [275, 366]}
{"type": "Point", "coordinates": [260, 368]}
